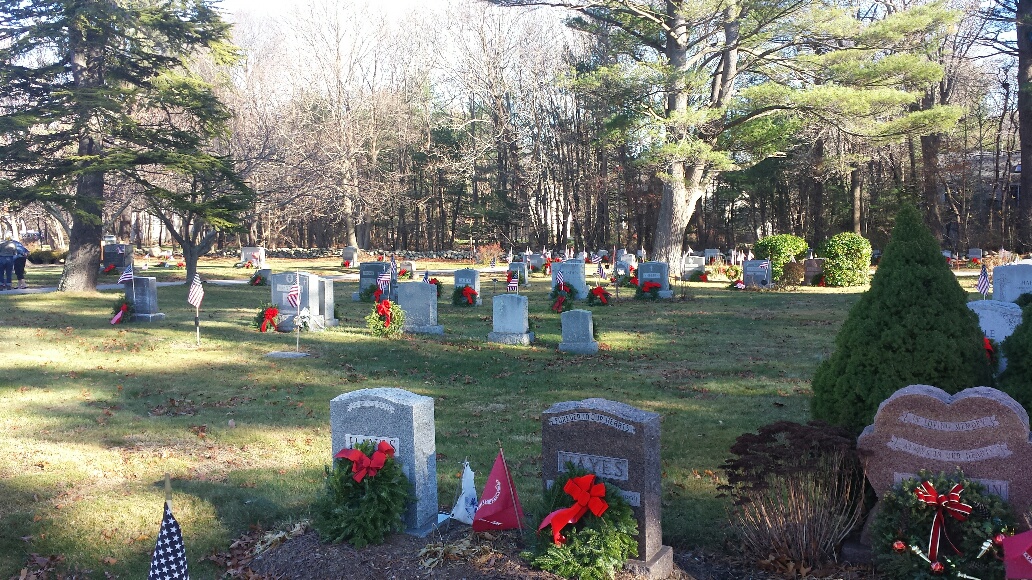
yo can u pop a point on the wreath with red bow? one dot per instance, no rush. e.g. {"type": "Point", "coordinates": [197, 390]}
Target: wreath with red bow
{"type": "Point", "coordinates": [464, 296]}
{"type": "Point", "coordinates": [266, 318]}
{"type": "Point", "coordinates": [562, 296]}
{"type": "Point", "coordinates": [589, 532]}
{"type": "Point", "coordinates": [649, 290]}
{"type": "Point", "coordinates": [122, 311]}
{"type": "Point", "coordinates": [404, 274]}
{"type": "Point", "coordinates": [940, 526]}
{"type": "Point", "coordinates": [386, 320]}
{"type": "Point", "coordinates": [599, 295]}
{"type": "Point", "coordinates": [109, 268]}
{"type": "Point", "coordinates": [258, 280]}
{"type": "Point", "coordinates": [437, 283]}
{"type": "Point", "coordinates": [365, 496]}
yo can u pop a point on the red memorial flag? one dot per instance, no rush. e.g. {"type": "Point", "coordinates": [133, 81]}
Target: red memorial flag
{"type": "Point", "coordinates": [1017, 555]}
{"type": "Point", "coordinates": [499, 507]}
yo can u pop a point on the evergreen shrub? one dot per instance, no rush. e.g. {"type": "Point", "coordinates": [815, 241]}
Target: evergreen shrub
{"type": "Point", "coordinates": [847, 260]}
{"type": "Point", "coordinates": [793, 273]}
{"type": "Point", "coordinates": [912, 326]}
{"type": "Point", "coordinates": [1016, 379]}
{"type": "Point", "coordinates": [779, 249]}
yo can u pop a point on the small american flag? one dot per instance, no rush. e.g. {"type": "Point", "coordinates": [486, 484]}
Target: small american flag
{"type": "Point", "coordinates": [383, 281]}
{"type": "Point", "coordinates": [514, 283]}
{"type": "Point", "coordinates": [601, 272]}
{"type": "Point", "coordinates": [596, 259]}
{"type": "Point", "coordinates": [127, 275]}
{"type": "Point", "coordinates": [493, 262]}
{"type": "Point", "coordinates": [426, 276]}
{"type": "Point", "coordinates": [294, 294]}
{"type": "Point", "coordinates": [394, 267]}
{"type": "Point", "coordinates": [559, 280]}
{"type": "Point", "coordinates": [169, 559]}
{"type": "Point", "coordinates": [196, 293]}
{"type": "Point", "coordinates": [983, 282]}
{"type": "Point", "coordinates": [764, 265]}
{"type": "Point", "coordinates": [121, 249]}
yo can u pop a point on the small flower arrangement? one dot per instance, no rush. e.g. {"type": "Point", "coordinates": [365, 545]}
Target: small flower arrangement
{"type": "Point", "coordinates": [379, 258]}
{"type": "Point", "coordinates": [563, 296]}
{"type": "Point", "coordinates": [464, 296]}
{"type": "Point", "coordinates": [258, 280]}
{"type": "Point", "coordinates": [267, 317]}
{"type": "Point", "coordinates": [346, 263]}
{"type": "Point", "coordinates": [737, 285]}
{"type": "Point", "coordinates": [122, 311]}
{"type": "Point", "coordinates": [404, 274]}
{"type": "Point", "coordinates": [436, 283]}
{"type": "Point", "coordinates": [365, 496]}
{"type": "Point", "coordinates": [248, 265]}
{"type": "Point", "coordinates": [386, 320]}
{"type": "Point", "coordinates": [649, 290]}
{"type": "Point", "coordinates": [599, 295]}
{"type": "Point", "coordinates": [110, 268]}
{"type": "Point", "coordinates": [181, 265]}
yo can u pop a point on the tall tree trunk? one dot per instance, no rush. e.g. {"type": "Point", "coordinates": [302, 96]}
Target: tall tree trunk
{"type": "Point", "coordinates": [930, 147]}
{"type": "Point", "coordinates": [1023, 219]}
{"type": "Point", "coordinates": [856, 180]}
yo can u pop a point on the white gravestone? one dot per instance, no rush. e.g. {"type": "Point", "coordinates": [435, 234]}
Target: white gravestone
{"type": "Point", "coordinates": [254, 255]}
{"type": "Point", "coordinates": [578, 333]}
{"type": "Point", "coordinates": [419, 301]}
{"type": "Point", "coordinates": [511, 320]}
{"type": "Point", "coordinates": [1011, 281]}
{"type": "Point", "coordinates": [997, 319]}
{"type": "Point", "coordinates": [469, 277]}
{"type": "Point", "coordinates": [573, 275]}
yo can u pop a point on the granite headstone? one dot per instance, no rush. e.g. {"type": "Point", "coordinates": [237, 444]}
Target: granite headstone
{"type": "Point", "coordinates": [578, 333]}
{"type": "Point", "coordinates": [814, 268]}
{"type": "Point", "coordinates": [254, 255]}
{"type": "Point", "coordinates": [573, 275]}
{"type": "Point", "coordinates": [711, 255]}
{"type": "Point", "coordinates": [349, 255]}
{"type": "Point", "coordinates": [327, 302]}
{"type": "Point", "coordinates": [997, 319]}
{"type": "Point", "coordinates": [658, 272]}
{"type": "Point", "coordinates": [756, 273]}
{"type": "Point", "coordinates": [419, 301]}
{"type": "Point", "coordinates": [469, 277]}
{"type": "Point", "coordinates": [521, 270]}
{"type": "Point", "coordinates": [368, 272]}
{"type": "Point", "coordinates": [1011, 281]}
{"type": "Point", "coordinates": [406, 421]}
{"type": "Point", "coordinates": [620, 445]}
{"type": "Point", "coordinates": [974, 253]}
{"type": "Point", "coordinates": [310, 299]}
{"type": "Point", "coordinates": [142, 293]}
{"type": "Point", "coordinates": [692, 265]}
{"type": "Point", "coordinates": [117, 255]}
{"type": "Point", "coordinates": [510, 320]}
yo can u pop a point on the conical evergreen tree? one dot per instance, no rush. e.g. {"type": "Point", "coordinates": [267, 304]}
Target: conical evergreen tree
{"type": "Point", "coordinates": [911, 327]}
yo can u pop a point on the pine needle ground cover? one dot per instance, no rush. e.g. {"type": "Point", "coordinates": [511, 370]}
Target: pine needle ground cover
{"type": "Point", "coordinates": [92, 416]}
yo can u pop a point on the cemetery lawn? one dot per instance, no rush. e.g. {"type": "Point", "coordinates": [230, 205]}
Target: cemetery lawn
{"type": "Point", "coordinates": [92, 416]}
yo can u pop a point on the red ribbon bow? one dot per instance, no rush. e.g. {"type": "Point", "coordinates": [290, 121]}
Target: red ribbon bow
{"type": "Point", "coordinates": [558, 306]}
{"type": "Point", "coordinates": [270, 315]}
{"type": "Point", "coordinates": [363, 465]}
{"type": "Point", "coordinates": [384, 310]}
{"type": "Point", "coordinates": [988, 347]}
{"type": "Point", "coordinates": [648, 286]}
{"type": "Point", "coordinates": [469, 294]}
{"type": "Point", "coordinates": [950, 502]}
{"type": "Point", "coordinates": [587, 495]}
{"type": "Point", "coordinates": [109, 268]}
{"type": "Point", "coordinates": [600, 293]}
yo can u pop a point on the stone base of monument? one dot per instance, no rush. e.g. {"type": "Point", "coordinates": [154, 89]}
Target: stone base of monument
{"type": "Point", "coordinates": [579, 347]}
{"type": "Point", "coordinates": [431, 329]}
{"type": "Point", "coordinates": [331, 322]}
{"type": "Point", "coordinates": [659, 566]}
{"type": "Point", "coordinates": [520, 338]}
{"type": "Point", "coordinates": [666, 294]}
{"type": "Point", "coordinates": [155, 317]}
{"type": "Point", "coordinates": [286, 354]}
{"type": "Point", "coordinates": [317, 324]}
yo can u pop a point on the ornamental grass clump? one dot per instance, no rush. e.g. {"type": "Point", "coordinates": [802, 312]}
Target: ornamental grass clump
{"type": "Point", "coordinates": [847, 260]}
{"type": "Point", "coordinates": [779, 249]}
{"type": "Point", "coordinates": [912, 327]}
{"type": "Point", "coordinates": [364, 498]}
{"type": "Point", "coordinates": [797, 492]}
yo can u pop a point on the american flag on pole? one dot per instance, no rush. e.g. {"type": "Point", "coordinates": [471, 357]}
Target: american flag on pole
{"type": "Point", "coordinates": [596, 259]}
{"type": "Point", "coordinates": [383, 281]}
{"type": "Point", "coordinates": [426, 276]}
{"type": "Point", "coordinates": [127, 275]}
{"type": "Point", "coordinates": [601, 272]}
{"type": "Point", "coordinates": [983, 282]}
{"type": "Point", "coordinates": [764, 265]}
{"type": "Point", "coordinates": [196, 293]}
{"type": "Point", "coordinates": [169, 559]}
{"type": "Point", "coordinates": [559, 280]}
{"type": "Point", "coordinates": [493, 262]}
{"type": "Point", "coordinates": [394, 267]}
{"type": "Point", "coordinates": [514, 283]}
{"type": "Point", "coordinates": [294, 294]}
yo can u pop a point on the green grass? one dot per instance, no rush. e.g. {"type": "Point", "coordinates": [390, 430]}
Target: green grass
{"type": "Point", "coordinates": [92, 416]}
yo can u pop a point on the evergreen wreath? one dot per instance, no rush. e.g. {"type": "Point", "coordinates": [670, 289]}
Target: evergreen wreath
{"type": "Point", "coordinates": [596, 547]}
{"type": "Point", "coordinates": [364, 510]}
{"type": "Point", "coordinates": [562, 296]}
{"type": "Point", "coordinates": [436, 283]}
{"type": "Point", "coordinates": [258, 280]}
{"type": "Point", "coordinates": [366, 295]}
{"type": "Point", "coordinates": [599, 295]}
{"type": "Point", "coordinates": [462, 297]}
{"type": "Point", "coordinates": [386, 320]}
{"type": "Point", "coordinates": [648, 290]}
{"type": "Point", "coordinates": [123, 305]}
{"type": "Point", "coordinates": [266, 318]}
{"type": "Point", "coordinates": [901, 531]}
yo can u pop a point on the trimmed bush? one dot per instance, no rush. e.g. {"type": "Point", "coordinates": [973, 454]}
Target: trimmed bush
{"type": "Point", "coordinates": [1016, 379]}
{"type": "Point", "coordinates": [848, 260]}
{"type": "Point", "coordinates": [793, 273]}
{"type": "Point", "coordinates": [779, 249]}
{"type": "Point", "coordinates": [912, 326]}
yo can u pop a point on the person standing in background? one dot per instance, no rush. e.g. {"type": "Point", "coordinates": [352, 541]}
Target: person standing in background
{"type": "Point", "coordinates": [7, 253]}
{"type": "Point", "coordinates": [21, 254]}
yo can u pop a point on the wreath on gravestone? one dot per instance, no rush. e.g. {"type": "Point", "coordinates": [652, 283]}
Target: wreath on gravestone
{"type": "Point", "coordinates": [464, 296]}
{"type": "Point", "coordinates": [437, 283]}
{"type": "Point", "coordinates": [368, 294]}
{"type": "Point", "coordinates": [648, 290]}
{"type": "Point", "coordinates": [563, 296]}
{"type": "Point", "coordinates": [364, 498]}
{"type": "Point", "coordinates": [109, 269]}
{"type": "Point", "coordinates": [266, 318]}
{"type": "Point", "coordinates": [386, 320]}
{"type": "Point", "coordinates": [404, 274]}
{"type": "Point", "coordinates": [599, 295]}
{"type": "Point", "coordinates": [122, 311]}
{"type": "Point", "coordinates": [258, 280]}
{"type": "Point", "coordinates": [940, 526]}
{"type": "Point", "coordinates": [591, 530]}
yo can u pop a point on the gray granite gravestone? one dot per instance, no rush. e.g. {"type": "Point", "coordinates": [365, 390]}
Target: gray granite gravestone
{"type": "Point", "coordinates": [974, 253]}
{"type": "Point", "coordinates": [510, 320]}
{"type": "Point", "coordinates": [620, 445]}
{"type": "Point", "coordinates": [419, 301]}
{"type": "Point", "coordinates": [997, 319]}
{"type": "Point", "coordinates": [536, 260]}
{"type": "Point", "coordinates": [327, 302]}
{"type": "Point", "coordinates": [629, 258]}
{"type": "Point", "coordinates": [814, 268]}
{"type": "Point", "coordinates": [603, 253]}
{"type": "Point", "coordinates": [578, 333]}
{"type": "Point", "coordinates": [469, 277]}
{"type": "Point", "coordinates": [582, 256]}
{"type": "Point", "coordinates": [658, 272]}
{"type": "Point", "coordinates": [521, 270]}
{"type": "Point", "coordinates": [255, 255]}
{"type": "Point", "coordinates": [573, 275]}
{"type": "Point", "coordinates": [711, 255]}
{"type": "Point", "coordinates": [118, 255]}
{"type": "Point", "coordinates": [756, 273]}
{"type": "Point", "coordinates": [981, 430]}
{"type": "Point", "coordinates": [692, 265]}
{"type": "Point", "coordinates": [265, 273]}
{"type": "Point", "coordinates": [620, 252]}
{"type": "Point", "coordinates": [406, 421]}
{"type": "Point", "coordinates": [309, 283]}
{"type": "Point", "coordinates": [1011, 281]}
{"type": "Point", "coordinates": [367, 274]}
{"type": "Point", "coordinates": [349, 255]}
{"type": "Point", "coordinates": [622, 269]}
{"type": "Point", "coordinates": [142, 293]}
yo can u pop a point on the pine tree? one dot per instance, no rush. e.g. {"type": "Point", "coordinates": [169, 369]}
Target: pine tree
{"type": "Point", "coordinates": [911, 327]}
{"type": "Point", "coordinates": [95, 90]}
